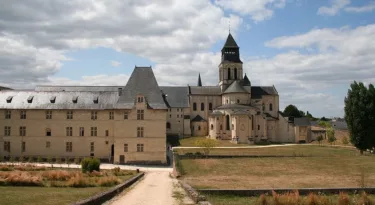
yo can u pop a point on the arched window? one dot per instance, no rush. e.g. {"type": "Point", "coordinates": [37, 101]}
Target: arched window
{"type": "Point", "coordinates": [235, 73]}
{"type": "Point", "coordinates": [210, 106]}
{"type": "Point", "coordinates": [168, 125]}
{"type": "Point", "coordinates": [263, 107]}
{"type": "Point", "coordinates": [202, 106]}
{"type": "Point", "coordinates": [227, 101]}
{"type": "Point", "coordinates": [229, 74]}
{"type": "Point", "coordinates": [48, 132]}
{"type": "Point", "coordinates": [227, 122]}
{"type": "Point", "coordinates": [238, 101]}
{"type": "Point", "coordinates": [270, 106]}
{"type": "Point", "coordinates": [258, 127]}
{"type": "Point", "coordinates": [199, 127]}
{"type": "Point", "coordinates": [195, 106]}
{"type": "Point", "coordinates": [212, 126]}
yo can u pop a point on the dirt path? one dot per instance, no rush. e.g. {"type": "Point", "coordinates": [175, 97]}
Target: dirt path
{"type": "Point", "coordinates": [157, 188]}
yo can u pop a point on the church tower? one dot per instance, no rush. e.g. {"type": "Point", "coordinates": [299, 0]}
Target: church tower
{"type": "Point", "coordinates": [230, 68]}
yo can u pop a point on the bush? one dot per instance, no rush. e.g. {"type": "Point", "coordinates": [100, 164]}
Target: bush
{"type": "Point", "coordinates": [57, 175]}
{"type": "Point", "coordinates": [18, 178]}
{"type": "Point", "coordinates": [108, 181]}
{"type": "Point", "coordinates": [79, 181]}
{"type": "Point", "coordinates": [90, 164]}
{"type": "Point", "coordinates": [345, 140]}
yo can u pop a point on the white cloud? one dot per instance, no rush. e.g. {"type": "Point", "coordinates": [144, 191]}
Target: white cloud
{"type": "Point", "coordinates": [115, 63]}
{"type": "Point", "coordinates": [366, 8]}
{"type": "Point", "coordinates": [336, 6]}
{"type": "Point", "coordinates": [259, 10]}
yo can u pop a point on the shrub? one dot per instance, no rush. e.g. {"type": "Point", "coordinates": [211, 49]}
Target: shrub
{"type": "Point", "coordinates": [343, 199]}
{"type": "Point", "coordinates": [6, 168]}
{"type": "Point", "coordinates": [364, 200]}
{"type": "Point", "coordinates": [345, 140]}
{"type": "Point", "coordinates": [263, 200]}
{"type": "Point", "coordinates": [57, 175]}
{"type": "Point", "coordinates": [312, 199]}
{"type": "Point", "coordinates": [90, 164]}
{"type": "Point", "coordinates": [18, 178]}
{"type": "Point", "coordinates": [108, 181]}
{"type": "Point", "coordinates": [79, 181]}
{"type": "Point", "coordinates": [58, 160]}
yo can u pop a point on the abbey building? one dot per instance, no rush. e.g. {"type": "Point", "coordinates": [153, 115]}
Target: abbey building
{"type": "Point", "coordinates": [129, 124]}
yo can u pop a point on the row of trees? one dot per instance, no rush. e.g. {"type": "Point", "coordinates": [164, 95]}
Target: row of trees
{"type": "Point", "coordinates": [293, 111]}
{"type": "Point", "coordinates": [360, 115]}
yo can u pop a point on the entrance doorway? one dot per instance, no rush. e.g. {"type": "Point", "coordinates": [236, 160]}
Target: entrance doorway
{"type": "Point", "coordinates": [122, 159]}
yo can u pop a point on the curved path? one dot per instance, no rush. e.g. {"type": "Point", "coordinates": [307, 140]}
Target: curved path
{"type": "Point", "coordinates": [157, 188]}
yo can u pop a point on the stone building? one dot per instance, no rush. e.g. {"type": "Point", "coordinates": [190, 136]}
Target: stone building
{"type": "Point", "coordinates": [129, 124]}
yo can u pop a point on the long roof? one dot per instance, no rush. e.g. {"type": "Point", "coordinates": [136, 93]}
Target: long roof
{"type": "Point", "coordinates": [176, 96]}
{"type": "Point", "coordinates": [77, 88]}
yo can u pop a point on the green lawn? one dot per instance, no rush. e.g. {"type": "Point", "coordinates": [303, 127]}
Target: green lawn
{"type": "Point", "coordinates": [293, 150]}
{"type": "Point", "coordinates": [45, 195]}
{"type": "Point", "coordinates": [190, 142]}
{"type": "Point", "coordinates": [324, 200]}
{"type": "Point", "coordinates": [328, 167]}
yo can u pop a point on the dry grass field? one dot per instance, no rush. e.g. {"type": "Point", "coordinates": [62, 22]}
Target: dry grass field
{"type": "Point", "coordinates": [326, 167]}
{"type": "Point", "coordinates": [190, 142]}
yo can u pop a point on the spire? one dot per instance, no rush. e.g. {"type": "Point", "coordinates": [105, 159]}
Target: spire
{"type": "Point", "coordinates": [199, 80]}
{"type": "Point", "coordinates": [246, 81]}
{"type": "Point", "coordinates": [230, 42]}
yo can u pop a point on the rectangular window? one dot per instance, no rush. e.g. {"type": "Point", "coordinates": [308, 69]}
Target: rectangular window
{"type": "Point", "coordinates": [126, 115]}
{"type": "Point", "coordinates": [69, 115]}
{"type": "Point", "coordinates": [94, 131]}
{"type": "Point", "coordinates": [22, 131]}
{"type": "Point", "coordinates": [7, 146]}
{"type": "Point", "coordinates": [111, 115]}
{"type": "Point", "coordinates": [140, 99]}
{"type": "Point", "coordinates": [107, 133]}
{"type": "Point", "coordinates": [48, 132]}
{"type": "Point", "coordinates": [69, 131]}
{"type": "Point", "coordinates": [139, 147]}
{"type": "Point", "coordinates": [140, 132]}
{"type": "Point", "coordinates": [8, 114]}
{"type": "Point", "coordinates": [49, 114]}
{"type": "Point", "coordinates": [94, 115]}
{"type": "Point", "coordinates": [92, 147]}
{"type": "Point", "coordinates": [7, 131]}
{"type": "Point", "coordinates": [140, 114]}
{"type": "Point", "coordinates": [23, 146]}
{"type": "Point", "coordinates": [81, 131]}
{"type": "Point", "coordinates": [23, 114]}
{"type": "Point", "coordinates": [125, 147]}
{"type": "Point", "coordinates": [48, 144]}
{"type": "Point", "coordinates": [69, 146]}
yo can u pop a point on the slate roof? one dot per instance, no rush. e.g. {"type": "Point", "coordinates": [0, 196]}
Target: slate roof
{"type": "Point", "coordinates": [246, 81]}
{"type": "Point", "coordinates": [198, 118]}
{"type": "Point", "coordinates": [62, 100]}
{"type": "Point", "coordinates": [258, 91]}
{"type": "Point", "coordinates": [176, 96]}
{"type": "Point", "coordinates": [78, 88]}
{"type": "Point", "coordinates": [142, 82]}
{"type": "Point", "coordinates": [230, 42]}
{"type": "Point", "coordinates": [204, 90]}
{"type": "Point", "coordinates": [302, 121]}
{"type": "Point", "coordinates": [235, 87]}
{"type": "Point", "coordinates": [340, 125]}
{"type": "Point", "coordinates": [199, 80]}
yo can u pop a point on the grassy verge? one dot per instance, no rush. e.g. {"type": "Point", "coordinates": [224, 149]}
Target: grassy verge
{"type": "Point", "coordinates": [340, 168]}
{"type": "Point", "coordinates": [190, 142]}
{"type": "Point", "coordinates": [292, 199]}
{"type": "Point", "coordinates": [292, 151]}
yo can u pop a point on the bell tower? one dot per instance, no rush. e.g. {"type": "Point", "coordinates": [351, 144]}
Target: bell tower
{"type": "Point", "coordinates": [230, 68]}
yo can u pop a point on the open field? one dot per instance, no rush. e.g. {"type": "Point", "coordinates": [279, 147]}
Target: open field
{"type": "Point", "coordinates": [328, 167]}
{"type": "Point", "coordinates": [292, 150]}
{"type": "Point", "coordinates": [324, 200]}
{"type": "Point", "coordinates": [190, 142]}
{"type": "Point", "coordinates": [41, 185]}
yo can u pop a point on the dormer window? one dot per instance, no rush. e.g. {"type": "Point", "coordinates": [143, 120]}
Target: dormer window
{"type": "Point", "coordinates": [75, 99]}
{"type": "Point", "coordinates": [96, 100]}
{"type": "Point", "coordinates": [30, 99]}
{"type": "Point", "coordinates": [9, 99]}
{"type": "Point", "coordinates": [52, 99]}
{"type": "Point", "coordinates": [140, 99]}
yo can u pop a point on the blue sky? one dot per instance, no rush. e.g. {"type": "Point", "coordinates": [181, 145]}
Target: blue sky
{"type": "Point", "coordinates": [309, 49]}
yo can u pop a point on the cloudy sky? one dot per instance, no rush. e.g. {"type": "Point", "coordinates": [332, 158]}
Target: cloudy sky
{"type": "Point", "coordinates": [311, 50]}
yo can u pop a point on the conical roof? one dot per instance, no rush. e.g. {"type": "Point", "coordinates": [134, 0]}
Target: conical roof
{"type": "Point", "coordinates": [235, 87]}
{"type": "Point", "coordinates": [199, 80]}
{"type": "Point", "coordinates": [230, 43]}
{"type": "Point", "coordinates": [246, 81]}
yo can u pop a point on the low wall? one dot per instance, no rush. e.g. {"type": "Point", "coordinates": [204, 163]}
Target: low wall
{"type": "Point", "coordinates": [303, 191]}
{"type": "Point", "coordinates": [194, 195]}
{"type": "Point", "coordinates": [107, 195]}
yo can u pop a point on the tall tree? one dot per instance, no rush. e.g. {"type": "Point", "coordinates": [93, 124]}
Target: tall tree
{"type": "Point", "coordinates": [292, 111]}
{"type": "Point", "coordinates": [359, 109]}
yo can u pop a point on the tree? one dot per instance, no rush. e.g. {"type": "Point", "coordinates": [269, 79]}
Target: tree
{"type": "Point", "coordinates": [309, 115]}
{"type": "Point", "coordinates": [292, 111]}
{"type": "Point", "coordinates": [359, 115]}
{"type": "Point", "coordinates": [324, 124]}
{"type": "Point", "coordinates": [206, 144]}
{"type": "Point", "coordinates": [320, 139]}
{"type": "Point", "coordinates": [331, 135]}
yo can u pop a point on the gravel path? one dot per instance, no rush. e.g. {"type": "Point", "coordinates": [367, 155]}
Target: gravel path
{"type": "Point", "coordinates": [157, 188]}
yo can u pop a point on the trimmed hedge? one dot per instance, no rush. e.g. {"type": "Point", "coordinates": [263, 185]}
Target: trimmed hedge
{"type": "Point", "coordinates": [90, 165]}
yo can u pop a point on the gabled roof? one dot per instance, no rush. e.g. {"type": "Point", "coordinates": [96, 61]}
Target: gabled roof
{"type": "Point", "coordinates": [230, 42]}
{"type": "Point", "coordinates": [142, 82]}
{"type": "Point", "coordinates": [176, 96]}
{"type": "Point", "coordinates": [198, 118]}
{"type": "Point", "coordinates": [235, 87]}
